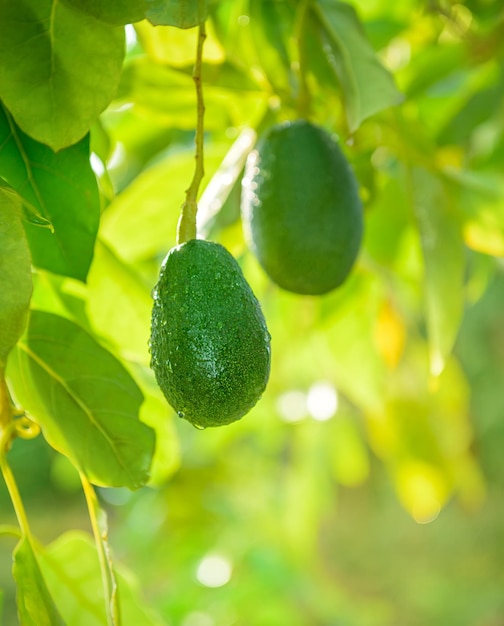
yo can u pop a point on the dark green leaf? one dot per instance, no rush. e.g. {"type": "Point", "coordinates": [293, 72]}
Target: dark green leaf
{"type": "Point", "coordinates": [15, 273]}
{"type": "Point", "coordinates": [61, 189]}
{"type": "Point", "coordinates": [85, 401]}
{"type": "Point", "coordinates": [59, 68]}
{"type": "Point", "coordinates": [366, 85]}
{"type": "Point", "coordinates": [35, 604]}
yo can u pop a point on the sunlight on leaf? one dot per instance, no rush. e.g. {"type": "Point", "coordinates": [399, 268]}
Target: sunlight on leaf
{"type": "Point", "coordinates": [85, 401]}
{"type": "Point", "coordinates": [70, 67]}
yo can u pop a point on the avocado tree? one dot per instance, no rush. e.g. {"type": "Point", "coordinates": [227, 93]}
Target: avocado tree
{"type": "Point", "coordinates": [184, 182]}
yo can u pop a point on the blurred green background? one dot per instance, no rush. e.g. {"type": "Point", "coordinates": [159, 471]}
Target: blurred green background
{"type": "Point", "coordinates": [366, 487]}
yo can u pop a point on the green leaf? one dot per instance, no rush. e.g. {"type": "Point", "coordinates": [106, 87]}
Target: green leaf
{"type": "Point", "coordinates": [15, 274]}
{"type": "Point", "coordinates": [116, 12]}
{"type": "Point", "coordinates": [35, 604]}
{"type": "Point", "coordinates": [179, 13]}
{"type": "Point", "coordinates": [444, 264]}
{"type": "Point", "coordinates": [366, 85]}
{"type": "Point", "coordinates": [71, 568]}
{"type": "Point", "coordinates": [85, 401]}
{"type": "Point", "coordinates": [59, 68]}
{"type": "Point", "coordinates": [63, 192]}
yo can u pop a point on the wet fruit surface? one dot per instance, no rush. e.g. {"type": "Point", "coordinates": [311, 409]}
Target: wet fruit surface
{"type": "Point", "coordinates": [301, 209]}
{"type": "Point", "coordinates": [210, 347]}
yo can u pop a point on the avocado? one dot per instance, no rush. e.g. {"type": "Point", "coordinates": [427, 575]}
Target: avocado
{"type": "Point", "coordinates": [210, 348]}
{"type": "Point", "coordinates": [301, 210]}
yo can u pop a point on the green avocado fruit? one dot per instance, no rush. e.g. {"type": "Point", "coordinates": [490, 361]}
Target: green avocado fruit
{"type": "Point", "coordinates": [210, 348]}
{"type": "Point", "coordinates": [301, 209]}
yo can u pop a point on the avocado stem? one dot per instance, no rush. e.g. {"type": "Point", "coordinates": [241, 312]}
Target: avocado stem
{"type": "Point", "coordinates": [186, 229]}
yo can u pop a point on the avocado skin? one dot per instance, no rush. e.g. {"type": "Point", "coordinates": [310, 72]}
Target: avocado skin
{"type": "Point", "coordinates": [210, 348]}
{"type": "Point", "coordinates": [301, 209]}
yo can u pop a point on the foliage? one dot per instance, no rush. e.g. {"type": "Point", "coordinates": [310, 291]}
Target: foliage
{"type": "Point", "coordinates": [388, 385]}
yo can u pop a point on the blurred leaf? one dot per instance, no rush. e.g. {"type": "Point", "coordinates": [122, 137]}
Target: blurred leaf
{"type": "Point", "coordinates": [177, 47]}
{"type": "Point", "coordinates": [478, 109]}
{"type": "Point", "coordinates": [349, 456]}
{"type": "Point", "coordinates": [160, 192]}
{"type": "Point", "coordinates": [35, 604]}
{"type": "Point", "coordinates": [119, 304]}
{"type": "Point", "coordinates": [366, 85]}
{"type": "Point", "coordinates": [481, 198]}
{"type": "Point", "coordinates": [15, 274]}
{"type": "Point", "coordinates": [84, 399]}
{"type": "Point", "coordinates": [434, 64]}
{"type": "Point", "coordinates": [169, 94]}
{"type": "Point", "coordinates": [157, 414]}
{"type": "Point", "coordinates": [444, 264]}
{"type": "Point", "coordinates": [69, 72]}
{"type": "Point", "coordinates": [271, 26]}
{"type": "Point", "coordinates": [62, 188]}
{"type": "Point", "coordinates": [71, 567]}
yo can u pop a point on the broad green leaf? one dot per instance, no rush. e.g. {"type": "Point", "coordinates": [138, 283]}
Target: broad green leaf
{"type": "Point", "coordinates": [71, 567]}
{"type": "Point", "coordinates": [179, 13]}
{"type": "Point", "coordinates": [444, 264]}
{"type": "Point", "coordinates": [35, 604]}
{"type": "Point", "coordinates": [366, 85]}
{"type": "Point", "coordinates": [59, 68]}
{"type": "Point", "coordinates": [15, 274]}
{"type": "Point", "coordinates": [62, 189]}
{"type": "Point", "coordinates": [85, 401]}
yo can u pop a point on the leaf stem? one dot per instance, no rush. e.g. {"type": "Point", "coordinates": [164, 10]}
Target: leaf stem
{"type": "Point", "coordinates": [13, 531]}
{"type": "Point", "coordinates": [186, 229]}
{"type": "Point", "coordinates": [98, 519]}
{"type": "Point", "coordinates": [5, 404]}
{"type": "Point", "coordinates": [6, 435]}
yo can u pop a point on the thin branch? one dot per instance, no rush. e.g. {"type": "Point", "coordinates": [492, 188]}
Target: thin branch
{"type": "Point", "coordinates": [187, 223]}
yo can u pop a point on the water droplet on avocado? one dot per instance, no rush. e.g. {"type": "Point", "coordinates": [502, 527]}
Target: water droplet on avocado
{"type": "Point", "coordinates": [181, 414]}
